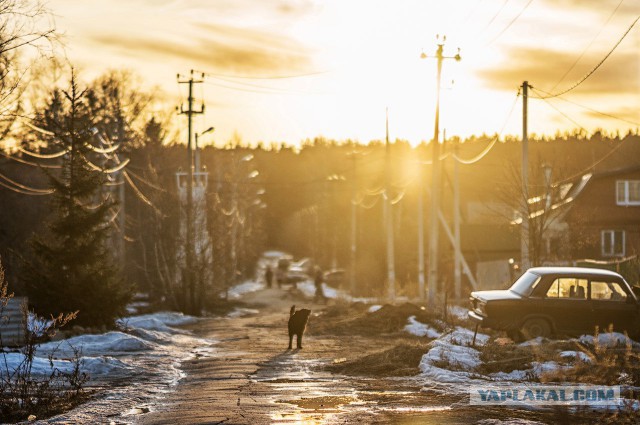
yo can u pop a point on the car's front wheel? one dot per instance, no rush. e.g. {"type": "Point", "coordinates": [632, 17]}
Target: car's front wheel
{"type": "Point", "coordinates": [534, 328]}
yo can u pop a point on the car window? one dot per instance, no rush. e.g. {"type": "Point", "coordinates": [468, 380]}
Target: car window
{"type": "Point", "coordinates": [569, 288]}
{"type": "Point", "coordinates": [525, 284]}
{"type": "Point", "coordinates": [611, 291]}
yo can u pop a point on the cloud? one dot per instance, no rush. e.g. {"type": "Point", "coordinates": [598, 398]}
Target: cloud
{"type": "Point", "coordinates": [600, 6]}
{"type": "Point", "coordinates": [543, 68]}
{"type": "Point", "coordinates": [218, 47]}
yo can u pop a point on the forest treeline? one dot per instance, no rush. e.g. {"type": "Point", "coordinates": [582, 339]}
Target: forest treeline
{"type": "Point", "coordinates": [90, 213]}
{"type": "Point", "coordinates": [300, 200]}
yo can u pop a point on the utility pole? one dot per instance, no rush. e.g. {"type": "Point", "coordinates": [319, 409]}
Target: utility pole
{"type": "Point", "coordinates": [189, 285]}
{"type": "Point", "coordinates": [435, 181]}
{"type": "Point", "coordinates": [354, 228]}
{"type": "Point", "coordinates": [421, 190]}
{"type": "Point", "coordinates": [524, 228]}
{"type": "Point", "coordinates": [391, 272]}
{"type": "Point", "coordinates": [457, 261]}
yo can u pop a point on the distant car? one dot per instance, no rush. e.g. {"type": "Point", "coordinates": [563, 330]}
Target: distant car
{"type": "Point", "coordinates": [559, 300]}
{"type": "Point", "coordinates": [334, 277]}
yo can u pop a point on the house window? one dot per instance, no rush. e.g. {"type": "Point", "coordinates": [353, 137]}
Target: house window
{"type": "Point", "coordinates": [613, 242]}
{"type": "Point", "coordinates": [628, 192]}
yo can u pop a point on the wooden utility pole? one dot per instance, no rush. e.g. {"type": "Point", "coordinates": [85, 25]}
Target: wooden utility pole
{"type": "Point", "coordinates": [435, 181]}
{"type": "Point", "coordinates": [189, 283]}
{"type": "Point", "coordinates": [391, 271]}
{"type": "Point", "coordinates": [524, 228]}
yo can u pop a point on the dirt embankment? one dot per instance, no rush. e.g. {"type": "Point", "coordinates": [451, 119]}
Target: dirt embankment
{"type": "Point", "coordinates": [398, 353]}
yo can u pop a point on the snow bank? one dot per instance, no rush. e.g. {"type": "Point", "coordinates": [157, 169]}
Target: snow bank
{"type": "Point", "coordinates": [240, 312]}
{"type": "Point", "coordinates": [108, 343]}
{"type": "Point", "coordinates": [309, 290]}
{"type": "Point", "coordinates": [420, 329]}
{"type": "Point", "coordinates": [451, 358]}
{"type": "Point", "coordinates": [609, 340]}
{"type": "Point", "coordinates": [579, 355]}
{"type": "Point", "coordinates": [94, 366]}
{"type": "Point", "coordinates": [458, 312]}
{"type": "Point", "coordinates": [237, 291]}
{"type": "Point", "coordinates": [374, 308]}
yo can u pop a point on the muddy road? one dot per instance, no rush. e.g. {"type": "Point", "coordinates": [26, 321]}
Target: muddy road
{"type": "Point", "coordinates": [249, 377]}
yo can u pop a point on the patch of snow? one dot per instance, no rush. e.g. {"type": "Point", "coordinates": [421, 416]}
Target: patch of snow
{"type": "Point", "coordinates": [240, 312]}
{"type": "Point", "coordinates": [464, 336]}
{"type": "Point", "coordinates": [374, 308]}
{"type": "Point", "coordinates": [514, 375]}
{"type": "Point", "coordinates": [533, 342]}
{"type": "Point", "coordinates": [36, 324]}
{"type": "Point", "coordinates": [237, 291]}
{"type": "Point", "coordinates": [451, 359]}
{"type": "Point", "coordinates": [458, 312]}
{"type": "Point", "coordinates": [169, 318]}
{"type": "Point", "coordinates": [41, 366]}
{"type": "Point", "coordinates": [309, 290]}
{"type": "Point", "coordinates": [546, 367]}
{"type": "Point", "coordinates": [609, 340]}
{"type": "Point", "coordinates": [420, 329]}
{"type": "Point", "coordinates": [580, 355]}
{"type": "Point", "coordinates": [108, 343]}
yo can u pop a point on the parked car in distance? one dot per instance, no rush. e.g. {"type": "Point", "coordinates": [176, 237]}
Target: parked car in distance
{"type": "Point", "coordinates": [334, 277]}
{"type": "Point", "coordinates": [559, 300]}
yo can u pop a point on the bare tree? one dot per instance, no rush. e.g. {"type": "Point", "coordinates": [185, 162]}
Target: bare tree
{"type": "Point", "coordinates": [544, 206]}
{"type": "Point", "coordinates": [26, 27]}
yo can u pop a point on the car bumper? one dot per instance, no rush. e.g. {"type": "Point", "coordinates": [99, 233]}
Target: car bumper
{"type": "Point", "coordinates": [476, 318]}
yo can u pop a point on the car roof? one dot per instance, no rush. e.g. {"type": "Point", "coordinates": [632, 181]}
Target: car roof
{"type": "Point", "coordinates": [573, 271]}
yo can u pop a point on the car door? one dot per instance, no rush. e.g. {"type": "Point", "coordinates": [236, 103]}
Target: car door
{"type": "Point", "coordinates": [613, 307]}
{"type": "Point", "coordinates": [567, 304]}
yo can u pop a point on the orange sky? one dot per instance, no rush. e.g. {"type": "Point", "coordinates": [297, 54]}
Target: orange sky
{"type": "Point", "coordinates": [357, 57]}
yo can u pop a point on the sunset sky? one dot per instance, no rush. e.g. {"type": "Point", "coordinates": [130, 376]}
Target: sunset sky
{"type": "Point", "coordinates": [351, 59]}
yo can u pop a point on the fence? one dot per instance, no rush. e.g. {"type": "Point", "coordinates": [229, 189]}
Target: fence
{"type": "Point", "coordinates": [13, 328]}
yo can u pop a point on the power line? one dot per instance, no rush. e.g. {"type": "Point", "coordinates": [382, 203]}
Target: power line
{"type": "Point", "coordinates": [588, 108]}
{"type": "Point", "coordinates": [268, 77]}
{"type": "Point", "coordinates": [598, 65]}
{"type": "Point", "coordinates": [510, 23]}
{"type": "Point", "coordinates": [23, 161]}
{"type": "Point", "coordinates": [565, 115]}
{"type": "Point", "coordinates": [23, 189]}
{"type": "Point", "coordinates": [588, 46]}
{"type": "Point", "coordinates": [493, 142]}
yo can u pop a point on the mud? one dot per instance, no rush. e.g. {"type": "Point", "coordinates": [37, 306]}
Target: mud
{"type": "Point", "coordinates": [250, 377]}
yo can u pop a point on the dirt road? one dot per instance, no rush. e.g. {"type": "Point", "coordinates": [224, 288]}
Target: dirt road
{"type": "Point", "coordinates": [249, 377]}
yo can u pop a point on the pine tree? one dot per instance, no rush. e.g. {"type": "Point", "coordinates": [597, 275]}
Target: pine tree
{"type": "Point", "coordinates": [72, 268]}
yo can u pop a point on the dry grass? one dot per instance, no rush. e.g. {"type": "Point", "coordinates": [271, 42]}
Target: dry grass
{"type": "Point", "coordinates": [355, 319]}
{"type": "Point", "coordinates": [400, 360]}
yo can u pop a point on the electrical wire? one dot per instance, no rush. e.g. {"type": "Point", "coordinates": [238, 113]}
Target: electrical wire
{"type": "Point", "coordinates": [510, 23]}
{"type": "Point", "coordinates": [23, 192]}
{"type": "Point", "coordinates": [493, 142]}
{"type": "Point", "coordinates": [270, 77]}
{"type": "Point", "coordinates": [23, 161]}
{"type": "Point", "coordinates": [42, 155]}
{"type": "Point", "coordinates": [147, 182]}
{"type": "Point", "coordinates": [565, 115]}
{"type": "Point", "coordinates": [588, 46]}
{"type": "Point", "coordinates": [27, 188]}
{"type": "Point", "coordinates": [598, 65]}
{"type": "Point", "coordinates": [139, 193]}
{"type": "Point", "coordinates": [604, 114]}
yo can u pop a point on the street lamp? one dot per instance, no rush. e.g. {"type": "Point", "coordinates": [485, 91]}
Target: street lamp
{"type": "Point", "coordinates": [197, 154]}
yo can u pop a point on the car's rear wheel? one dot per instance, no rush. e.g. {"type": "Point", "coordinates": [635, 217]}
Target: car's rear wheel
{"type": "Point", "coordinates": [534, 328]}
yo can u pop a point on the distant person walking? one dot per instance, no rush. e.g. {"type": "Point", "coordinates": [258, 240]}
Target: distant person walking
{"type": "Point", "coordinates": [317, 281]}
{"type": "Point", "coordinates": [268, 276]}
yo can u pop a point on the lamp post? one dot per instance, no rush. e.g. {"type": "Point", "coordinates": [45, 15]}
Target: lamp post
{"type": "Point", "coordinates": [197, 151]}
